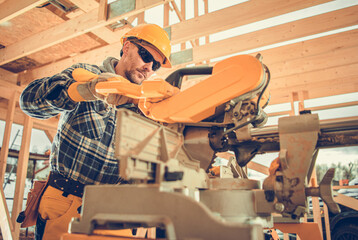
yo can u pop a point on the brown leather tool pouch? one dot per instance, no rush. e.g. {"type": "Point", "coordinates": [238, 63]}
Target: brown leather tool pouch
{"type": "Point", "coordinates": [28, 217]}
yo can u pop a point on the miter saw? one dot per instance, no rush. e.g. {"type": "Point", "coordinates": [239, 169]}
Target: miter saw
{"type": "Point", "coordinates": [167, 153]}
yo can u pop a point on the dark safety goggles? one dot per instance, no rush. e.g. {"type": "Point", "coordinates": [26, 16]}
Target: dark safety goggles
{"type": "Point", "coordinates": [147, 57]}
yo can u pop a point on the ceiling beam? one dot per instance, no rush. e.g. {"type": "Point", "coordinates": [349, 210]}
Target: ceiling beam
{"type": "Point", "coordinates": [103, 32]}
{"type": "Point", "coordinates": [19, 118]}
{"type": "Point", "coordinates": [67, 30]}
{"type": "Point", "coordinates": [94, 57]}
{"type": "Point", "coordinates": [235, 16]}
{"type": "Point", "coordinates": [9, 9]}
{"type": "Point", "coordinates": [333, 87]}
{"type": "Point", "coordinates": [349, 71]}
{"type": "Point", "coordinates": [8, 77]}
{"type": "Point", "coordinates": [284, 32]}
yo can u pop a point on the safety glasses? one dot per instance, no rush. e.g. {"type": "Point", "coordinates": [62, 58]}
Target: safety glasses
{"type": "Point", "coordinates": [147, 57]}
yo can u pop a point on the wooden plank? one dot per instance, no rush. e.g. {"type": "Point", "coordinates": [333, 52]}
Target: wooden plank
{"type": "Point", "coordinates": [50, 135]}
{"type": "Point", "coordinates": [238, 15]}
{"type": "Point", "coordinates": [246, 42]}
{"type": "Point", "coordinates": [103, 10]}
{"type": "Point", "coordinates": [9, 10]}
{"type": "Point", "coordinates": [19, 118]}
{"type": "Point", "coordinates": [346, 201]}
{"type": "Point", "coordinates": [326, 221]}
{"type": "Point", "coordinates": [318, 75]}
{"type": "Point", "coordinates": [340, 57]}
{"type": "Point", "coordinates": [7, 76]}
{"type": "Point", "coordinates": [316, 90]}
{"type": "Point", "coordinates": [102, 32]}
{"type": "Point", "coordinates": [7, 88]}
{"type": "Point", "coordinates": [67, 30]}
{"type": "Point", "coordinates": [21, 172]}
{"type": "Point", "coordinates": [285, 32]}
{"type": "Point", "coordinates": [6, 138]}
{"type": "Point", "coordinates": [5, 223]}
{"type": "Point", "coordinates": [94, 57]}
{"type": "Point", "coordinates": [317, 46]}
{"type": "Point", "coordinates": [258, 167]}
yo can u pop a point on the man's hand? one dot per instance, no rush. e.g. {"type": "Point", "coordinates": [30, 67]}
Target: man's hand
{"type": "Point", "coordinates": [86, 91]}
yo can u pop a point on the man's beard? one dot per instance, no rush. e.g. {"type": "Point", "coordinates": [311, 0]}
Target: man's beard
{"type": "Point", "coordinates": [130, 76]}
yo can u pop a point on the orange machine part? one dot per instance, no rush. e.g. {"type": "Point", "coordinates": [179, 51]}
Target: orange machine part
{"type": "Point", "coordinates": [151, 90]}
{"type": "Point", "coordinates": [231, 78]}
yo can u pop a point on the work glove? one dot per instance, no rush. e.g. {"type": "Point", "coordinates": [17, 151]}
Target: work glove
{"type": "Point", "coordinates": [112, 99]}
{"type": "Point", "coordinates": [86, 91]}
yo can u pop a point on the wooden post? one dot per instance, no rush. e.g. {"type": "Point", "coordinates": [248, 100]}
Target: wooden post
{"type": "Point", "coordinates": [5, 223]}
{"type": "Point", "coordinates": [315, 202]}
{"type": "Point", "coordinates": [206, 11]}
{"type": "Point", "coordinates": [103, 10]}
{"type": "Point", "coordinates": [182, 11]}
{"type": "Point", "coordinates": [21, 172]}
{"type": "Point", "coordinates": [326, 222]}
{"type": "Point", "coordinates": [166, 15]}
{"type": "Point", "coordinates": [6, 140]}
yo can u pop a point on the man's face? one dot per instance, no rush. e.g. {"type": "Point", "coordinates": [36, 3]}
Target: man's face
{"type": "Point", "coordinates": [135, 69]}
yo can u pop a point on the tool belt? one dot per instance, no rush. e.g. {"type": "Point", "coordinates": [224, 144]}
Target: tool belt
{"type": "Point", "coordinates": [28, 217]}
{"type": "Point", "coordinates": [66, 185]}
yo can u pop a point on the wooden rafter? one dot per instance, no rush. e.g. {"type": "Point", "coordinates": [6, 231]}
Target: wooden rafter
{"type": "Point", "coordinates": [9, 10]}
{"type": "Point", "coordinates": [234, 16]}
{"type": "Point", "coordinates": [67, 30]}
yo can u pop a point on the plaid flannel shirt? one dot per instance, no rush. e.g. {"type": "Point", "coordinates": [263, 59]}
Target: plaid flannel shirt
{"type": "Point", "coordinates": [82, 148]}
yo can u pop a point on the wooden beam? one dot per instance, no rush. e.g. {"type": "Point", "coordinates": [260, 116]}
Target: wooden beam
{"type": "Point", "coordinates": [67, 30]}
{"type": "Point", "coordinates": [316, 90]}
{"type": "Point", "coordinates": [258, 167]}
{"type": "Point", "coordinates": [9, 10]}
{"type": "Point", "coordinates": [5, 223]}
{"type": "Point", "coordinates": [94, 57]}
{"type": "Point", "coordinates": [304, 27]}
{"type": "Point", "coordinates": [19, 118]}
{"type": "Point", "coordinates": [21, 173]}
{"type": "Point", "coordinates": [102, 32]}
{"type": "Point", "coordinates": [7, 89]}
{"type": "Point", "coordinates": [103, 10]}
{"type": "Point", "coordinates": [337, 19]}
{"type": "Point", "coordinates": [238, 15]}
{"type": "Point", "coordinates": [50, 135]}
{"type": "Point", "coordinates": [346, 201]}
{"type": "Point", "coordinates": [340, 57]}
{"type": "Point", "coordinates": [285, 32]}
{"type": "Point", "coordinates": [8, 77]}
{"type": "Point", "coordinates": [7, 134]}
{"type": "Point", "coordinates": [317, 46]}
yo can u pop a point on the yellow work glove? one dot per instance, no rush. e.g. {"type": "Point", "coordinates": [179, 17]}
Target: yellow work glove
{"type": "Point", "coordinates": [112, 99]}
{"type": "Point", "coordinates": [86, 91]}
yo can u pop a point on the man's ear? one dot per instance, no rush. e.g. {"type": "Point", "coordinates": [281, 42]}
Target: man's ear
{"type": "Point", "coordinates": [125, 47]}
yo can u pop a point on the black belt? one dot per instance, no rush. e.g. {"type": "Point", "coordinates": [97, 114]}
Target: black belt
{"type": "Point", "coordinates": [66, 185]}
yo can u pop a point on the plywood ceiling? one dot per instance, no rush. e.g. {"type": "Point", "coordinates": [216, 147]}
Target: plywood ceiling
{"type": "Point", "coordinates": [309, 57]}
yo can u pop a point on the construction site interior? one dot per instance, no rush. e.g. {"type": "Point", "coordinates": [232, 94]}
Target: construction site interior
{"type": "Point", "coordinates": [307, 52]}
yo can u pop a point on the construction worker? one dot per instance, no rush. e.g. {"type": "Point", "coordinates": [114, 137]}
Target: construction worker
{"type": "Point", "coordinates": [82, 150]}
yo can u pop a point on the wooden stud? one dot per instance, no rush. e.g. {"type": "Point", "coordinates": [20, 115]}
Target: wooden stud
{"type": "Point", "coordinates": [7, 133]}
{"type": "Point", "coordinates": [166, 15]}
{"type": "Point", "coordinates": [315, 202]}
{"type": "Point", "coordinates": [5, 223]}
{"type": "Point", "coordinates": [103, 10]}
{"type": "Point", "coordinates": [346, 201]}
{"type": "Point", "coordinates": [326, 222]}
{"type": "Point", "coordinates": [22, 165]}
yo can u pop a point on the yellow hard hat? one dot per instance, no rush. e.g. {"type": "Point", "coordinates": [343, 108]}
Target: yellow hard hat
{"type": "Point", "coordinates": [156, 36]}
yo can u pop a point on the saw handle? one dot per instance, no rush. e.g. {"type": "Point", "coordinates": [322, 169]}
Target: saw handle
{"type": "Point", "coordinates": [151, 90]}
